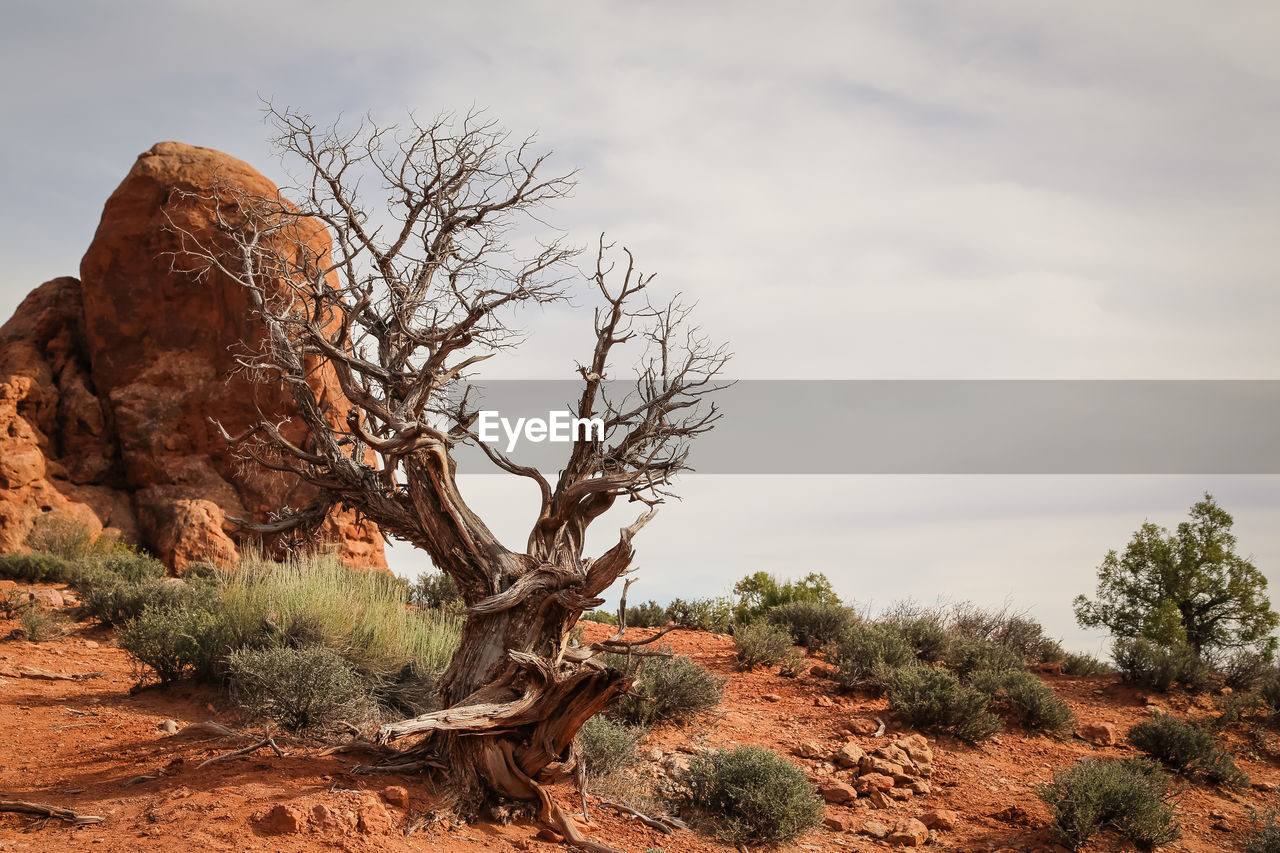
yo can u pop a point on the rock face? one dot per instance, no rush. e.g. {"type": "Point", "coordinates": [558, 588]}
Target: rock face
{"type": "Point", "coordinates": [107, 384]}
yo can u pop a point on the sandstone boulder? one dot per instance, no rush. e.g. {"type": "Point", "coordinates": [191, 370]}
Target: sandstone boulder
{"type": "Point", "coordinates": [1099, 734]}
{"type": "Point", "coordinates": [909, 833]}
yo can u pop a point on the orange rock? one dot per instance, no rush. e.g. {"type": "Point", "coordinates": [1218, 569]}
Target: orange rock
{"type": "Point", "coordinates": [909, 833]}
{"type": "Point", "coordinates": [283, 820]}
{"type": "Point", "coordinates": [1099, 734]}
{"type": "Point", "coordinates": [940, 819]}
{"type": "Point", "coordinates": [396, 795]}
{"type": "Point", "coordinates": [878, 781]}
{"type": "Point", "coordinates": [837, 792]}
{"type": "Point", "coordinates": [374, 819]}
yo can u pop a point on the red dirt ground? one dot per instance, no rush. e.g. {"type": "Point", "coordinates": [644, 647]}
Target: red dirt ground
{"type": "Point", "coordinates": [84, 744]}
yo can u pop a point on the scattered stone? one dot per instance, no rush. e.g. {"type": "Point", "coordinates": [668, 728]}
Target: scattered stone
{"type": "Point", "coordinates": [545, 834]}
{"type": "Point", "coordinates": [879, 781]}
{"type": "Point", "coordinates": [874, 828]}
{"type": "Point", "coordinates": [5, 585]}
{"type": "Point", "coordinates": [873, 764]}
{"type": "Point", "coordinates": [283, 820]}
{"type": "Point", "coordinates": [822, 670]}
{"type": "Point", "coordinates": [943, 819]}
{"type": "Point", "coordinates": [1098, 734]}
{"type": "Point", "coordinates": [899, 794]}
{"type": "Point", "coordinates": [807, 749]}
{"type": "Point", "coordinates": [324, 818]}
{"type": "Point", "coordinates": [396, 795]}
{"type": "Point", "coordinates": [849, 755]}
{"type": "Point", "coordinates": [654, 754]}
{"type": "Point", "coordinates": [863, 726]}
{"type": "Point", "coordinates": [374, 819]}
{"type": "Point", "coordinates": [91, 644]}
{"type": "Point", "coordinates": [877, 798]}
{"type": "Point", "coordinates": [824, 702]}
{"type": "Point", "coordinates": [771, 697]}
{"type": "Point", "coordinates": [909, 833]}
{"type": "Point", "coordinates": [919, 787]}
{"type": "Point", "coordinates": [838, 822]}
{"type": "Point", "coordinates": [1265, 787]}
{"type": "Point", "coordinates": [47, 598]}
{"type": "Point", "coordinates": [918, 752]}
{"type": "Point", "coordinates": [169, 727]}
{"type": "Point", "coordinates": [836, 792]}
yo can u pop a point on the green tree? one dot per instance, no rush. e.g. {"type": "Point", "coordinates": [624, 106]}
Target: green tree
{"type": "Point", "coordinates": [759, 592]}
{"type": "Point", "coordinates": [1188, 586]}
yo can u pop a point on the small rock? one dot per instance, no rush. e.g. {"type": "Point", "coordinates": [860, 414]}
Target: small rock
{"type": "Point", "coordinates": [838, 822]}
{"type": "Point", "coordinates": [849, 755]}
{"type": "Point", "coordinates": [324, 818]}
{"type": "Point", "coordinates": [1265, 787]}
{"type": "Point", "coordinates": [49, 598]}
{"type": "Point", "coordinates": [872, 764]}
{"type": "Point", "coordinates": [879, 781]}
{"type": "Point", "coordinates": [654, 754]}
{"type": "Point", "coordinates": [877, 798]}
{"type": "Point", "coordinates": [374, 819]}
{"type": "Point", "coordinates": [920, 787]}
{"type": "Point", "coordinates": [91, 644]}
{"type": "Point", "coordinates": [837, 792]}
{"type": "Point", "coordinates": [545, 834]}
{"type": "Point", "coordinates": [899, 794]}
{"type": "Point", "coordinates": [283, 820]}
{"type": "Point", "coordinates": [1225, 691]}
{"type": "Point", "coordinates": [6, 585]}
{"type": "Point", "coordinates": [874, 828]}
{"type": "Point", "coordinates": [168, 727]}
{"type": "Point", "coordinates": [807, 749]}
{"type": "Point", "coordinates": [943, 819]}
{"type": "Point", "coordinates": [771, 697]}
{"type": "Point", "coordinates": [824, 702]}
{"type": "Point", "coordinates": [822, 670]}
{"type": "Point", "coordinates": [863, 726]}
{"type": "Point", "coordinates": [396, 795]}
{"type": "Point", "coordinates": [909, 833]}
{"type": "Point", "coordinates": [1098, 734]}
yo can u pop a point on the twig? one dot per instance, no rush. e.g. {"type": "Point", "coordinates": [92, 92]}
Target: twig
{"type": "Point", "coordinates": [49, 675]}
{"type": "Point", "coordinates": [879, 731]}
{"type": "Point", "coordinates": [405, 767]}
{"type": "Point", "coordinates": [138, 780]}
{"type": "Point", "coordinates": [80, 713]}
{"type": "Point", "coordinates": [665, 824]}
{"type": "Point", "coordinates": [50, 811]}
{"type": "Point", "coordinates": [266, 741]}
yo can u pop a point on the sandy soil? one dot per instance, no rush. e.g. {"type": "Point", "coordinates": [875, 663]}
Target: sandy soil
{"type": "Point", "coordinates": [91, 746]}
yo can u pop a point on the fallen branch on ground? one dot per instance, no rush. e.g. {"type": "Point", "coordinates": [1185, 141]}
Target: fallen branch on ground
{"type": "Point", "coordinates": [666, 824]}
{"type": "Point", "coordinates": [48, 675]}
{"type": "Point", "coordinates": [226, 756]}
{"type": "Point", "coordinates": [50, 811]}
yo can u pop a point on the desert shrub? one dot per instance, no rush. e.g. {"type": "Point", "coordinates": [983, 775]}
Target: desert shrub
{"type": "Point", "coordinates": [967, 655]}
{"type": "Point", "coordinates": [1186, 747]}
{"type": "Point", "coordinates": [316, 600]}
{"type": "Point", "coordinates": [1130, 797]}
{"type": "Point", "coordinates": [134, 566]}
{"type": "Point", "coordinates": [67, 538]}
{"type": "Point", "coordinates": [39, 624]}
{"type": "Point", "coordinates": [1012, 629]}
{"type": "Point", "coordinates": [750, 795]}
{"type": "Point", "coordinates": [1244, 669]}
{"type": "Point", "coordinates": [667, 689]}
{"type": "Point", "coordinates": [935, 699]}
{"type": "Point", "coordinates": [1084, 665]}
{"type": "Point", "coordinates": [113, 601]}
{"type": "Point", "coordinates": [606, 746]}
{"type": "Point", "coordinates": [1266, 837]}
{"type": "Point", "coordinates": [704, 614]}
{"type": "Point", "coordinates": [1234, 707]}
{"type": "Point", "coordinates": [435, 590]}
{"type": "Point", "coordinates": [1027, 699]}
{"type": "Point", "coordinates": [867, 654]}
{"type": "Point", "coordinates": [13, 603]}
{"type": "Point", "coordinates": [813, 624]}
{"type": "Point", "coordinates": [602, 616]}
{"type": "Point", "coordinates": [651, 614]}
{"type": "Point", "coordinates": [308, 689]}
{"type": "Point", "coordinates": [763, 644]}
{"type": "Point", "coordinates": [174, 640]}
{"type": "Point", "coordinates": [36, 568]}
{"type": "Point", "coordinates": [1158, 667]}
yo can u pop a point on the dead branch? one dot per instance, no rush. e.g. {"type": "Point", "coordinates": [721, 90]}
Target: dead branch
{"type": "Point", "coordinates": [48, 675]}
{"type": "Point", "coordinates": [227, 756]}
{"type": "Point", "coordinates": [50, 811]}
{"type": "Point", "coordinates": [663, 823]}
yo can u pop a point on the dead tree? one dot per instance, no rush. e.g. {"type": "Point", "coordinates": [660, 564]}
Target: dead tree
{"type": "Point", "coordinates": [403, 302]}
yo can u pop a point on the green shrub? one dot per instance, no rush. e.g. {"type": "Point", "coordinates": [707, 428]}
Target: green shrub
{"type": "Point", "coordinates": [967, 655]}
{"type": "Point", "coordinates": [651, 614]}
{"type": "Point", "coordinates": [935, 700]}
{"type": "Point", "coordinates": [606, 746]}
{"type": "Point", "coordinates": [1245, 669]}
{"type": "Point", "coordinates": [813, 624]}
{"type": "Point", "coordinates": [704, 614]}
{"type": "Point", "coordinates": [760, 592]}
{"type": "Point", "coordinates": [750, 795]}
{"type": "Point", "coordinates": [1027, 699]}
{"type": "Point", "coordinates": [604, 617]}
{"type": "Point", "coordinates": [667, 689]}
{"type": "Point", "coordinates": [1084, 665]}
{"type": "Point", "coordinates": [762, 644]}
{"type": "Point", "coordinates": [174, 640]}
{"type": "Point", "coordinates": [1158, 667]}
{"type": "Point", "coordinates": [927, 636]}
{"type": "Point", "coordinates": [435, 590]}
{"type": "Point", "coordinates": [1269, 693]}
{"type": "Point", "coordinates": [1186, 747]}
{"type": "Point", "coordinates": [867, 654]}
{"type": "Point", "coordinates": [39, 624]}
{"type": "Point", "coordinates": [67, 538]}
{"type": "Point", "coordinates": [36, 568]}
{"type": "Point", "coordinates": [1130, 797]}
{"type": "Point", "coordinates": [308, 689]}
{"type": "Point", "coordinates": [1266, 838]}
{"type": "Point", "coordinates": [111, 600]}
{"type": "Point", "coordinates": [1012, 630]}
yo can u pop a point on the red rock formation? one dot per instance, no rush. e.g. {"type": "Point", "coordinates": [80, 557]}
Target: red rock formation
{"type": "Point", "coordinates": [107, 385]}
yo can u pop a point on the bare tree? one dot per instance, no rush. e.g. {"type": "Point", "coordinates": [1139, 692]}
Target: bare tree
{"type": "Point", "coordinates": [403, 303]}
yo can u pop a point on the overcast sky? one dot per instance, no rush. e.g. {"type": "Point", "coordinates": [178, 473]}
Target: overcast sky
{"type": "Point", "coordinates": [851, 190]}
